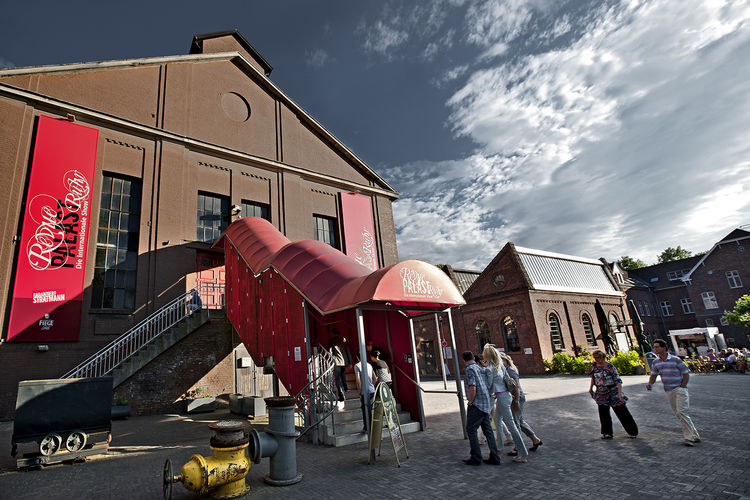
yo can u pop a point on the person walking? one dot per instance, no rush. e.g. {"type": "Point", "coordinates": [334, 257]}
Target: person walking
{"type": "Point", "coordinates": [608, 394]}
{"type": "Point", "coordinates": [478, 412]}
{"type": "Point", "coordinates": [674, 376]}
{"type": "Point", "coordinates": [341, 359]}
{"type": "Point", "coordinates": [365, 383]}
{"type": "Point", "coordinates": [517, 409]}
{"type": "Point", "coordinates": [503, 400]}
{"type": "Point", "coordinates": [382, 373]}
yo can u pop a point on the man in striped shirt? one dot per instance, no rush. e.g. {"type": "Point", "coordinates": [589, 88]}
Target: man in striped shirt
{"type": "Point", "coordinates": [478, 412]}
{"type": "Point", "coordinates": [674, 376]}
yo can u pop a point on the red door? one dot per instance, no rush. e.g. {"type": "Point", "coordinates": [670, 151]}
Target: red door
{"type": "Point", "coordinates": [210, 279]}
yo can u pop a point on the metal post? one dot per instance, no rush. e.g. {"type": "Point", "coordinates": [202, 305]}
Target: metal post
{"type": "Point", "coordinates": [440, 347]}
{"type": "Point", "coordinates": [312, 400]}
{"type": "Point", "coordinates": [416, 374]}
{"type": "Point", "coordinates": [390, 348]}
{"type": "Point", "coordinates": [459, 388]}
{"type": "Point", "coordinates": [363, 365]}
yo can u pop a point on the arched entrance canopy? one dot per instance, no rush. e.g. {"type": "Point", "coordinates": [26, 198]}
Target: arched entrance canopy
{"type": "Point", "coordinates": [272, 320]}
{"type": "Point", "coordinates": [332, 281]}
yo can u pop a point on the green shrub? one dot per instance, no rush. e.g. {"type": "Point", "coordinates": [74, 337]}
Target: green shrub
{"type": "Point", "coordinates": [582, 365]}
{"type": "Point", "coordinates": [626, 362]}
{"type": "Point", "coordinates": [562, 362]}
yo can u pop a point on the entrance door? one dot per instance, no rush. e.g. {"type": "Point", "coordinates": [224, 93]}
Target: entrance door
{"type": "Point", "coordinates": [210, 278]}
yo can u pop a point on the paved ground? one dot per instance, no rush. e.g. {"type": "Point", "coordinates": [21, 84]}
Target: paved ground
{"type": "Point", "coordinates": [572, 463]}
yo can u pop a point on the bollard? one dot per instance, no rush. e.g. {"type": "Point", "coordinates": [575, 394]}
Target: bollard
{"type": "Point", "coordinates": [279, 442]}
{"type": "Point", "coordinates": [221, 475]}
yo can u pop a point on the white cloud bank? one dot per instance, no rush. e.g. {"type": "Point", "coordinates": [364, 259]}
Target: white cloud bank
{"type": "Point", "coordinates": [632, 137]}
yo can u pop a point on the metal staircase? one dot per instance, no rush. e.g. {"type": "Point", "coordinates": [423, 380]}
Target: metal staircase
{"type": "Point", "coordinates": [145, 341]}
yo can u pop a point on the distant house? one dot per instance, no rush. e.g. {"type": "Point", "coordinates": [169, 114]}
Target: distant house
{"type": "Point", "coordinates": [532, 304]}
{"type": "Point", "coordinates": [694, 292]}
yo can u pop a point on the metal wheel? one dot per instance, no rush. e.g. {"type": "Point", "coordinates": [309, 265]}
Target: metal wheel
{"type": "Point", "coordinates": [50, 444]}
{"type": "Point", "coordinates": [167, 485]}
{"type": "Point", "coordinates": [75, 441]}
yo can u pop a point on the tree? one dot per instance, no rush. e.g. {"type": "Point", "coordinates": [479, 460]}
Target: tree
{"type": "Point", "coordinates": [740, 315]}
{"type": "Point", "coordinates": [629, 263]}
{"type": "Point", "coordinates": [670, 254]}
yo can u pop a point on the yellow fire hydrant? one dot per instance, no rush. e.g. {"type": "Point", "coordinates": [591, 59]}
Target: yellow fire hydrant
{"type": "Point", "coordinates": [221, 475]}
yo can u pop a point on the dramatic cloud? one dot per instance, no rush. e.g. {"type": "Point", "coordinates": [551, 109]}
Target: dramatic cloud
{"type": "Point", "coordinates": [631, 136]}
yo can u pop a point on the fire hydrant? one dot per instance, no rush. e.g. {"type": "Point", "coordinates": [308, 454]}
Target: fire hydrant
{"type": "Point", "coordinates": [221, 475]}
{"type": "Point", "coordinates": [279, 441]}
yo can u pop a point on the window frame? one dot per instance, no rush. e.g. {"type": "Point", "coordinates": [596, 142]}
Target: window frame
{"type": "Point", "coordinates": [246, 205]}
{"type": "Point", "coordinates": [480, 338]}
{"type": "Point", "coordinates": [666, 308]}
{"type": "Point", "coordinates": [733, 279]}
{"type": "Point", "coordinates": [224, 216]}
{"type": "Point", "coordinates": [556, 347]}
{"type": "Point", "coordinates": [709, 299]}
{"type": "Point", "coordinates": [588, 332]}
{"type": "Point", "coordinates": [510, 335]}
{"type": "Point", "coordinates": [332, 229]}
{"type": "Point", "coordinates": [687, 305]}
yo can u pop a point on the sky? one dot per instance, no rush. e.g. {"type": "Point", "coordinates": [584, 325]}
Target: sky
{"type": "Point", "coordinates": [596, 128]}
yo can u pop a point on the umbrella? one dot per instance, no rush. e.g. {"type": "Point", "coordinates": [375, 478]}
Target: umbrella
{"type": "Point", "coordinates": [638, 327]}
{"type": "Point", "coordinates": [601, 316]}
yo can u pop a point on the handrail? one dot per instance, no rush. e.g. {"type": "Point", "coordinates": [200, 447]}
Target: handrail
{"type": "Point", "coordinates": [318, 394]}
{"type": "Point", "coordinates": [421, 388]}
{"type": "Point", "coordinates": [123, 347]}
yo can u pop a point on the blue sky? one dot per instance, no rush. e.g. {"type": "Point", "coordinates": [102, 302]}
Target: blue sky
{"type": "Point", "coordinates": [593, 128]}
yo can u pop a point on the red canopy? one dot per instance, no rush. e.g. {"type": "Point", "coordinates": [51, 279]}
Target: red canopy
{"type": "Point", "coordinates": [332, 281]}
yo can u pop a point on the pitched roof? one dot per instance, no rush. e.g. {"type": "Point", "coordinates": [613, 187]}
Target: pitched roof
{"type": "Point", "coordinates": [566, 273]}
{"type": "Point", "coordinates": [666, 274]}
{"type": "Point", "coordinates": [734, 237]}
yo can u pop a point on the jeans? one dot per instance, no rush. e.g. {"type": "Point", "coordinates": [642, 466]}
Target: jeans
{"type": "Point", "coordinates": [679, 400]}
{"type": "Point", "coordinates": [474, 419]}
{"type": "Point", "coordinates": [339, 375]}
{"type": "Point", "coordinates": [518, 418]}
{"type": "Point", "coordinates": [502, 410]}
{"type": "Point", "coordinates": [366, 417]}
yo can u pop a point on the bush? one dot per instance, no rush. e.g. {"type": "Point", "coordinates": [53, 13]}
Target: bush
{"type": "Point", "coordinates": [582, 365]}
{"type": "Point", "coordinates": [626, 362]}
{"type": "Point", "coordinates": [562, 363]}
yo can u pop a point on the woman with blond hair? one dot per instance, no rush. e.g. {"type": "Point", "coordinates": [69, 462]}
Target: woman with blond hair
{"type": "Point", "coordinates": [503, 400]}
{"type": "Point", "coordinates": [517, 409]}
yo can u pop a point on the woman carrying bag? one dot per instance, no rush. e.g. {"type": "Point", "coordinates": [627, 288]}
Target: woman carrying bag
{"type": "Point", "coordinates": [609, 394]}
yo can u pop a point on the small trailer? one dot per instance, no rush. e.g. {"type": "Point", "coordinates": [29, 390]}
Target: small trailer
{"type": "Point", "coordinates": [61, 420]}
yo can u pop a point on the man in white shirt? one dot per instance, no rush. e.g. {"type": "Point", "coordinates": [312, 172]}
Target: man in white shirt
{"type": "Point", "coordinates": [365, 383]}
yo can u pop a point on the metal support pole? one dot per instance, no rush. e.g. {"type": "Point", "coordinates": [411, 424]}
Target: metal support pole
{"type": "Point", "coordinates": [363, 365]}
{"type": "Point", "coordinates": [459, 388]}
{"type": "Point", "coordinates": [416, 375]}
{"type": "Point", "coordinates": [390, 348]}
{"type": "Point", "coordinates": [313, 399]}
{"type": "Point", "coordinates": [440, 347]}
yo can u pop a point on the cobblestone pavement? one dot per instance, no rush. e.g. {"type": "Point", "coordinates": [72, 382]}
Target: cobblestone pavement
{"type": "Point", "coordinates": [572, 463]}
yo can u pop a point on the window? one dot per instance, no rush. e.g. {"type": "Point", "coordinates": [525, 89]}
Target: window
{"type": "Point", "coordinates": [213, 216]}
{"type": "Point", "coordinates": [733, 278]}
{"type": "Point", "coordinates": [325, 230]}
{"type": "Point", "coordinates": [709, 300]}
{"type": "Point", "coordinates": [483, 333]}
{"type": "Point", "coordinates": [255, 209]}
{"type": "Point", "coordinates": [588, 329]}
{"type": "Point", "coordinates": [555, 333]}
{"type": "Point", "coordinates": [723, 321]}
{"type": "Point", "coordinates": [613, 322]}
{"type": "Point", "coordinates": [650, 309]}
{"type": "Point", "coordinates": [619, 278]}
{"type": "Point", "coordinates": [641, 308]}
{"type": "Point", "coordinates": [687, 305]}
{"type": "Point", "coordinates": [510, 335]}
{"type": "Point", "coordinates": [709, 322]}
{"type": "Point", "coordinates": [666, 308]}
{"type": "Point", "coordinates": [499, 280]}
{"type": "Point", "coordinates": [115, 265]}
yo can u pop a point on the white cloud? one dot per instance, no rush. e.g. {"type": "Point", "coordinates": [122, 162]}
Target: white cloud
{"type": "Point", "coordinates": [633, 138]}
{"type": "Point", "coordinates": [5, 64]}
{"type": "Point", "coordinates": [317, 58]}
{"type": "Point", "coordinates": [382, 39]}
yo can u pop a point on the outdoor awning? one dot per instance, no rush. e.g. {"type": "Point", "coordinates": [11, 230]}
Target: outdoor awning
{"type": "Point", "coordinates": [332, 281]}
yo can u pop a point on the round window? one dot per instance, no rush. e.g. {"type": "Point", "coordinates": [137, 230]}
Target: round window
{"type": "Point", "coordinates": [499, 280]}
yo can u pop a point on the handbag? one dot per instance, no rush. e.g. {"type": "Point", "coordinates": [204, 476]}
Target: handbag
{"type": "Point", "coordinates": [510, 382]}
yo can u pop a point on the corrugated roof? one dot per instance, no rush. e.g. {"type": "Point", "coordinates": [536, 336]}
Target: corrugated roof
{"type": "Point", "coordinates": [464, 279]}
{"type": "Point", "coordinates": [566, 273]}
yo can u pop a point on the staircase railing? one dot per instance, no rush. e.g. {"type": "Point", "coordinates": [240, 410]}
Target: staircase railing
{"type": "Point", "coordinates": [205, 296]}
{"type": "Point", "coordinates": [317, 400]}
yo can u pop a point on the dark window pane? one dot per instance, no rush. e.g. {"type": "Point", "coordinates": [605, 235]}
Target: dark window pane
{"type": "Point", "coordinates": [119, 299]}
{"type": "Point", "coordinates": [103, 218]}
{"type": "Point", "coordinates": [101, 257]}
{"type": "Point", "coordinates": [96, 297]}
{"type": "Point", "coordinates": [129, 300]}
{"type": "Point", "coordinates": [120, 279]}
{"type": "Point", "coordinates": [124, 222]}
{"type": "Point", "coordinates": [115, 205]}
{"type": "Point", "coordinates": [108, 298]}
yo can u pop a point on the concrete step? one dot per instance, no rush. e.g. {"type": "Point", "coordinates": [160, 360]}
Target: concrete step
{"type": "Point", "coordinates": [352, 425]}
{"type": "Point", "coordinates": [361, 437]}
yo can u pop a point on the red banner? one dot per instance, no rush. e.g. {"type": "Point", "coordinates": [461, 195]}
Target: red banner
{"type": "Point", "coordinates": [359, 229]}
{"type": "Point", "coordinates": [48, 290]}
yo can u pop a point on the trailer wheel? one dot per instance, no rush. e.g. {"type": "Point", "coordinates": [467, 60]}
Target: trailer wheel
{"type": "Point", "coordinates": [50, 444]}
{"type": "Point", "coordinates": [75, 441]}
{"type": "Point", "coordinates": [167, 478]}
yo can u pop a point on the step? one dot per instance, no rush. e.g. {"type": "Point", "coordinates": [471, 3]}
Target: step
{"type": "Point", "coordinates": [352, 425]}
{"type": "Point", "coordinates": [361, 437]}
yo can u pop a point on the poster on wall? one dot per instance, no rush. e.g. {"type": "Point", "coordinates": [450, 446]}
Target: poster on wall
{"type": "Point", "coordinates": [359, 229]}
{"type": "Point", "coordinates": [51, 264]}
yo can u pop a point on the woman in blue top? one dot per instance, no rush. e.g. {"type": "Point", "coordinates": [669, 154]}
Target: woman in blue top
{"type": "Point", "coordinates": [609, 394]}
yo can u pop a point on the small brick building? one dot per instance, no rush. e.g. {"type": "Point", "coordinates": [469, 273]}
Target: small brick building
{"type": "Point", "coordinates": [532, 303]}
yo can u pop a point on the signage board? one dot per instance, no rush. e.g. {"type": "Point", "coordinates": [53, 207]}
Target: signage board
{"type": "Point", "coordinates": [51, 266]}
{"type": "Point", "coordinates": [359, 229]}
{"type": "Point", "coordinates": [384, 409]}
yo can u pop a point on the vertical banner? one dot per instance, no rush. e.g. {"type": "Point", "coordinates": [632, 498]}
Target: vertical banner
{"type": "Point", "coordinates": [48, 290]}
{"type": "Point", "coordinates": [359, 229]}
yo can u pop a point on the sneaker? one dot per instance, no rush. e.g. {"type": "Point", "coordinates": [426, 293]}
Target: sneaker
{"type": "Point", "coordinates": [687, 442]}
{"type": "Point", "coordinates": [697, 440]}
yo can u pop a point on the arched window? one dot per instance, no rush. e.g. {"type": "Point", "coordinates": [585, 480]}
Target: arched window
{"type": "Point", "coordinates": [588, 329]}
{"type": "Point", "coordinates": [510, 335]}
{"type": "Point", "coordinates": [555, 333]}
{"type": "Point", "coordinates": [613, 322]}
{"type": "Point", "coordinates": [483, 333]}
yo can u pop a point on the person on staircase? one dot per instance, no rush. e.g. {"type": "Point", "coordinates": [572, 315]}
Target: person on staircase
{"type": "Point", "coordinates": [382, 373]}
{"type": "Point", "coordinates": [341, 359]}
{"type": "Point", "coordinates": [365, 383]}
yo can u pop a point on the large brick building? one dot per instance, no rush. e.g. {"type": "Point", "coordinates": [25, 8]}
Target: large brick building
{"type": "Point", "coordinates": [693, 292]}
{"type": "Point", "coordinates": [178, 146]}
{"type": "Point", "coordinates": [533, 303]}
